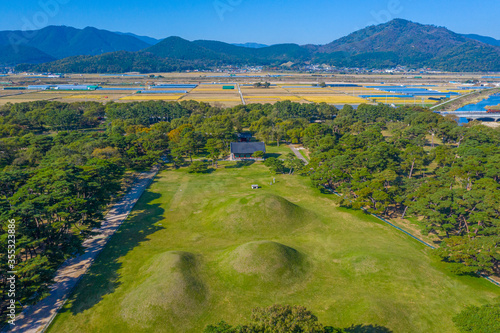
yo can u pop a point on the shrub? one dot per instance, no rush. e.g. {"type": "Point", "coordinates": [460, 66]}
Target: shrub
{"type": "Point", "coordinates": [198, 167]}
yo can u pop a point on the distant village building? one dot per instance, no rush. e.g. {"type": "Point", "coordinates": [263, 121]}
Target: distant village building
{"type": "Point", "coordinates": [63, 87]}
{"type": "Point", "coordinates": [244, 150]}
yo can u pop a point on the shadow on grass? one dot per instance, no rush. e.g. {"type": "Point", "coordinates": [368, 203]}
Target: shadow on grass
{"type": "Point", "coordinates": [207, 171]}
{"type": "Point", "coordinates": [240, 164]}
{"type": "Point", "coordinates": [275, 155]}
{"type": "Point", "coordinates": [102, 277]}
{"type": "Point", "coordinates": [367, 329]}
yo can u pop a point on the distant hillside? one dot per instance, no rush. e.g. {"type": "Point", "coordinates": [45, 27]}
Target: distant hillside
{"type": "Point", "coordinates": [252, 45]}
{"type": "Point", "coordinates": [114, 62]}
{"type": "Point", "coordinates": [214, 52]}
{"type": "Point", "coordinates": [484, 39]}
{"type": "Point", "coordinates": [398, 42]}
{"type": "Point", "coordinates": [145, 39]}
{"type": "Point", "coordinates": [10, 56]}
{"type": "Point", "coordinates": [179, 48]}
{"type": "Point", "coordinates": [60, 42]}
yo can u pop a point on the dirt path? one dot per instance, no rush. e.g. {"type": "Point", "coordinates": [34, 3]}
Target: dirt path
{"type": "Point", "coordinates": [38, 317]}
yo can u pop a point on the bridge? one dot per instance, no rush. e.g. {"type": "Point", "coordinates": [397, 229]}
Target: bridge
{"type": "Point", "coordinates": [472, 115]}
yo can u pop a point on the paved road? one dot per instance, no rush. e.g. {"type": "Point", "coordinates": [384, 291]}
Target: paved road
{"type": "Point", "coordinates": [241, 94]}
{"type": "Point", "coordinates": [298, 154]}
{"type": "Point", "coordinates": [36, 318]}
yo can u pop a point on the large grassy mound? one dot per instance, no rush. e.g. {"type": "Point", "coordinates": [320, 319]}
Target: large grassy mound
{"type": "Point", "coordinates": [170, 293]}
{"type": "Point", "coordinates": [261, 213]}
{"type": "Point", "coordinates": [270, 262]}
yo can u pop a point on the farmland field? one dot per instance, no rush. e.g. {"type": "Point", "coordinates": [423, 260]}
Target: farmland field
{"type": "Point", "coordinates": [335, 99]}
{"type": "Point", "coordinates": [155, 97]}
{"type": "Point", "coordinates": [204, 87]}
{"type": "Point", "coordinates": [203, 248]}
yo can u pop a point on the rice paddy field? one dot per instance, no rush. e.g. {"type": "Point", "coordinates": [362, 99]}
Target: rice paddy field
{"type": "Point", "coordinates": [155, 97]}
{"type": "Point", "coordinates": [335, 99]}
{"type": "Point", "coordinates": [31, 96]}
{"type": "Point", "coordinates": [208, 87]}
{"type": "Point", "coordinates": [198, 249]}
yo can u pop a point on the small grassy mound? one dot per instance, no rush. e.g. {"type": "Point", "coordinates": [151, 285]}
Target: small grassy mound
{"type": "Point", "coordinates": [262, 213]}
{"type": "Point", "coordinates": [270, 261]}
{"type": "Point", "coordinates": [169, 296]}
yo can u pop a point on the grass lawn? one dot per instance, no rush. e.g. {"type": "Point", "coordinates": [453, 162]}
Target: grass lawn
{"type": "Point", "coordinates": [203, 248]}
{"type": "Point", "coordinates": [273, 150]}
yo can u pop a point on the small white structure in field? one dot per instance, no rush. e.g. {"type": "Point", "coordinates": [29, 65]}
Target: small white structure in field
{"type": "Point", "coordinates": [255, 187]}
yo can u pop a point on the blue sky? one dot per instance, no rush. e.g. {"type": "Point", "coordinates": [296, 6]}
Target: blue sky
{"type": "Point", "coordinates": [263, 21]}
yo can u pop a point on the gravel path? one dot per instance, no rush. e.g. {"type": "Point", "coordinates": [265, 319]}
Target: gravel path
{"type": "Point", "coordinates": [298, 154]}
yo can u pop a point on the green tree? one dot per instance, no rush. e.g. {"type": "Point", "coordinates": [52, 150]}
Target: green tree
{"type": "Point", "coordinates": [258, 154]}
{"type": "Point", "coordinates": [215, 148]}
{"type": "Point", "coordinates": [276, 319]}
{"type": "Point", "coordinates": [275, 165]}
{"type": "Point", "coordinates": [413, 158]}
{"type": "Point", "coordinates": [293, 163]}
{"type": "Point", "coordinates": [484, 319]}
{"type": "Point", "coordinates": [285, 318]}
{"type": "Point", "coordinates": [198, 167]}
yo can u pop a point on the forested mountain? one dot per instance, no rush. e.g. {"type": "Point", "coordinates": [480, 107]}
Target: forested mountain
{"type": "Point", "coordinates": [224, 53]}
{"type": "Point", "coordinates": [401, 42]}
{"type": "Point", "coordinates": [398, 42]}
{"type": "Point", "coordinates": [179, 48]}
{"type": "Point", "coordinates": [60, 42]}
{"type": "Point", "coordinates": [399, 36]}
{"type": "Point", "coordinates": [10, 55]}
{"type": "Point", "coordinates": [114, 62]}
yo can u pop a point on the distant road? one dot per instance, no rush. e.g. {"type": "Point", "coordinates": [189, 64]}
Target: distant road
{"type": "Point", "coordinates": [460, 97]}
{"type": "Point", "coordinates": [452, 100]}
{"type": "Point", "coordinates": [37, 318]}
{"type": "Point", "coordinates": [241, 95]}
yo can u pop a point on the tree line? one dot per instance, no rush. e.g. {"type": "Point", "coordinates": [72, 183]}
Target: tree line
{"type": "Point", "coordinates": [412, 163]}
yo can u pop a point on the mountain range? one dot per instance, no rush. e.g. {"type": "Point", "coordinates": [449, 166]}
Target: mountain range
{"type": "Point", "coordinates": [483, 39]}
{"type": "Point", "coordinates": [60, 42]}
{"type": "Point", "coordinates": [398, 42]}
